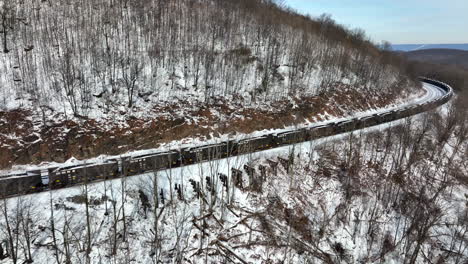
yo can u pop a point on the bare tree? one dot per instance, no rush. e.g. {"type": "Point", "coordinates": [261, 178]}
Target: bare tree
{"type": "Point", "coordinates": [8, 19]}
{"type": "Point", "coordinates": [12, 223]}
{"type": "Point", "coordinates": [131, 71]}
{"type": "Point", "coordinates": [53, 227]}
{"type": "Point", "coordinates": [28, 233]}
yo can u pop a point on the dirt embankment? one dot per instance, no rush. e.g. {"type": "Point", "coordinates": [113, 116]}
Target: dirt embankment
{"type": "Point", "coordinates": [24, 139]}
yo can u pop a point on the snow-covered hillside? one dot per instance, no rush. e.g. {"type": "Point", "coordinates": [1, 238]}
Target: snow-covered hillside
{"type": "Point", "coordinates": [396, 193]}
{"type": "Point", "coordinates": [85, 78]}
{"type": "Point", "coordinates": [430, 92]}
{"type": "Point", "coordinates": [90, 57]}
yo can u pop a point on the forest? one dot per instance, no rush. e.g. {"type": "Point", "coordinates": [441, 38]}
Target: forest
{"type": "Point", "coordinates": [88, 58]}
{"type": "Point", "coordinates": [79, 77]}
{"type": "Point", "coordinates": [392, 193]}
{"type": "Point", "coordinates": [86, 78]}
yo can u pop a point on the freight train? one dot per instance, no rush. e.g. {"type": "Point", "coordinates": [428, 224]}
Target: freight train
{"type": "Point", "coordinates": [59, 177]}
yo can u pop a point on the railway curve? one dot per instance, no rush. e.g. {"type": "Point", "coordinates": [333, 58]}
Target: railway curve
{"type": "Point", "coordinates": [438, 93]}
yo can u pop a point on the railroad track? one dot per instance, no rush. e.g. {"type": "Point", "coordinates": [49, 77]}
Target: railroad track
{"type": "Point", "coordinates": [43, 179]}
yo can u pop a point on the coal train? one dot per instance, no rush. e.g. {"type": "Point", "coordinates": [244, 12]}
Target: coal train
{"type": "Point", "coordinates": [59, 177]}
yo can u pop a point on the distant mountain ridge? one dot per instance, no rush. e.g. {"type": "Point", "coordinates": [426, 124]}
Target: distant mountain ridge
{"type": "Point", "coordinates": [413, 47]}
{"type": "Point", "coordinates": [454, 57]}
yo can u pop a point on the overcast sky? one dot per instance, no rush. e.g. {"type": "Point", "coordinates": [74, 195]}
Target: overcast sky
{"type": "Point", "coordinates": [397, 21]}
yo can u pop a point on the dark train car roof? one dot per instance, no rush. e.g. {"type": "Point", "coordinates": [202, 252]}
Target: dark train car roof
{"type": "Point", "coordinates": [326, 125]}
{"type": "Point", "coordinates": [254, 138]}
{"type": "Point", "coordinates": [207, 146]}
{"type": "Point", "coordinates": [288, 132]}
{"type": "Point", "coordinates": [14, 175]}
{"type": "Point", "coordinates": [152, 154]}
{"type": "Point", "coordinates": [80, 166]}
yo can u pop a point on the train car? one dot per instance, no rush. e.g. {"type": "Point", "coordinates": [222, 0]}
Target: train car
{"type": "Point", "coordinates": [134, 165]}
{"type": "Point", "coordinates": [304, 135]}
{"type": "Point", "coordinates": [21, 183]}
{"type": "Point", "coordinates": [358, 122]}
{"type": "Point", "coordinates": [292, 137]}
{"type": "Point", "coordinates": [108, 170]}
{"type": "Point", "coordinates": [445, 98]}
{"type": "Point", "coordinates": [35, 180]}
{"type": "Point", "coordinates": [338, 127]}
{"type": "Point", "coordinates": [385, 117]}
{"type": "Point", "coordinates": [412, 110]}
{"type": "Point", "coordinates": [398, 114]}
{"type": "Point", "coordinates": [368, 121]}
{"type": "Point", "coordinates": [255, 144]}
{"type": "Point", "coordinates": [203, 153]}
{"type": "Point", "coordinates": [61, 177]}
{"type": "Point", "coordinates": [70, 175]}
{"type": "Point", "coordinates": [321, 131]}
{"type": "Point", "coordinates": [426, 106]}
{"type": "Point", "coordinates": [347, 125]}
{"type": "Point", "coordinates": [162, 160]}
{"type": "Point", "coordinates": [232, 146]}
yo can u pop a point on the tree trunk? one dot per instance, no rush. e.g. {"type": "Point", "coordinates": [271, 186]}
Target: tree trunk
{"type": "Point", "coordinates": [5, 33]}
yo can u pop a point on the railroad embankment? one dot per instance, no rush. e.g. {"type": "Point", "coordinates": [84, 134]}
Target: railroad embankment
{"type": "Point", "coordinates": [31, 137]}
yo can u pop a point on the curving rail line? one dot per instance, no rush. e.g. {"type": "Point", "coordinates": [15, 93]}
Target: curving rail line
{"type": "Point", "coordinates": [437, 94]}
